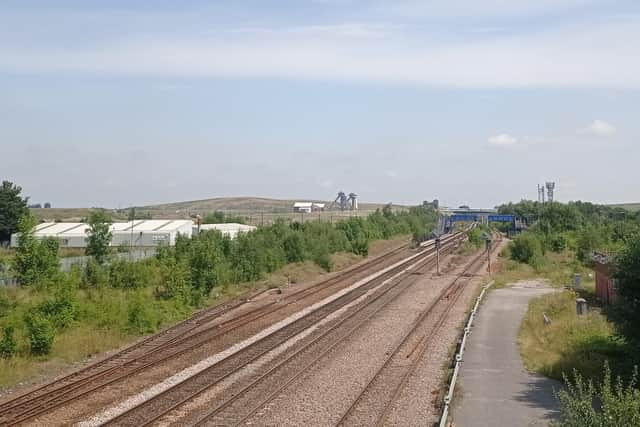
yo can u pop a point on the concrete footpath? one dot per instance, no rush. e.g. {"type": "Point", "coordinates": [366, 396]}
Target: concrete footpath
{"type": "Point", "coordinates": [495, 389]}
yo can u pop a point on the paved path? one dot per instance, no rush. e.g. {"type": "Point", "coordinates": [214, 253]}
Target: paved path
{"type": "Point", "coordinates": [495, 388]}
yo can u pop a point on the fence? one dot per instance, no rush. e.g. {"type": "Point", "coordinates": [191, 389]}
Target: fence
{"type": "Point", "coordinates": [458, 357]}
{"type": "Point", "coordinates": [67, 263]}
{"type": "Point", "coordinates": [268, 218]}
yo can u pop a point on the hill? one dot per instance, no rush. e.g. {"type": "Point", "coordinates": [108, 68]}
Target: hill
{"type": "Point", "coordinates": [628, 206]}
{"type": "Point", "coordinates": [238, 205]}
{"type": "Point", "coordinates": [246, 206]}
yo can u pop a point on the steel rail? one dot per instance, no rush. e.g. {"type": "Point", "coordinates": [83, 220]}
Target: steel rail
{"type": "Point", "coordinates": [274, 393]}
{"type": "Point", "coordinates": [446, 294]}
{"type": "Point", "coordinates": [35, 401]}
{"type": "Point", "coordinates": [219, 370]}
{"type": "Point", "coordinates": [305, 348]}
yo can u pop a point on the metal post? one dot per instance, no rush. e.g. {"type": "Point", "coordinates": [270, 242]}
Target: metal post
{"type": "Point", "coordinates": [437, 256]}
{"type": "Point", "coordinates": [133, 216]}
{"type": "Point", "coordinates": [488, 245]}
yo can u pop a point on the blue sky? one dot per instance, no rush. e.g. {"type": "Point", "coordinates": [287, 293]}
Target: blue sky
{"type": "Point", "coordinates": [471, 102]}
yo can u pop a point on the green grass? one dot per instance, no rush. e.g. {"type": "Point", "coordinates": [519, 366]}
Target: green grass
{"type": "Point", "coordinates": [569, 341]}
{"type": "Point", "coordinates": [556, 268]}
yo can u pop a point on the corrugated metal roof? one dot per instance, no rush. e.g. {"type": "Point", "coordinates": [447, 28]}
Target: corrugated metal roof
{"type": "Point", "coordinates": [61, 229]}
{"type": "Point", "coordinates": [302, 204]}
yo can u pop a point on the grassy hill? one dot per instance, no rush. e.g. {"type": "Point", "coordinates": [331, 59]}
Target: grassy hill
{"type": "Point", "coordinates": [629, 206]}
{"type": "Point", "coordinates": [238, 205]}
{"type": "Point", "coordinates": [245, 206]}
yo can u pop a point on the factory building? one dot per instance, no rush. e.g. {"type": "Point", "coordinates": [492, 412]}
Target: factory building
{"type": "Point", "coordinates": [139, 233]}
{"type": "Point", "coordinates": [228, 229]}
{"type": "Point", "coordinates": [308, 207]}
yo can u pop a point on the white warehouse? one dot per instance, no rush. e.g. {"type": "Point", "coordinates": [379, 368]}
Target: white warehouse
{"type": "Point", "coordinates": [228, 229]}
{"type": "Point", "coordinates": [143, 233]}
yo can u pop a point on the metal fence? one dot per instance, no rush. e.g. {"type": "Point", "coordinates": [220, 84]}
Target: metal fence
{"type": "Point", "coordinates": [67, 264]}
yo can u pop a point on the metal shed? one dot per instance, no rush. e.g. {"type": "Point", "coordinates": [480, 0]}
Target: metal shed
{"type": "Point", "coordinates": [138, 233]}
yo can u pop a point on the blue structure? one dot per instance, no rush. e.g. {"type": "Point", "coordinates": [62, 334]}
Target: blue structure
{"type": "Point", "coordinates": [501, 218]}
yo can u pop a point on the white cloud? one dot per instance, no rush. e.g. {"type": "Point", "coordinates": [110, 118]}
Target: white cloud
{"type": "Point", "coordinates": [593, 54]}
{"type": "Point", "coordinates": [600, 128]}
{"type": "Point", "coordinates": [392, 174]}
{"type": "Point", "coordinates": [503, 140]}
{"type": "Point", "coordinates": [475, 8]}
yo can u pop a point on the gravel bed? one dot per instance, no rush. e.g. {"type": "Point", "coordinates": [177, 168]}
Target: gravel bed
{"type": "Point", "coordinates": [419, 402]}
{"type": "Point", "coordinates": [209, 362]}
{"type": "Point", "coordinates": [139, 382]}
{"type": "Point", "coordinates": [323, 394]}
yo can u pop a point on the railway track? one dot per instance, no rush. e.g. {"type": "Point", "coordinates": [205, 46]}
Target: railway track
{"type": "Point", "coordinates": [375, 402]}
{"type": "Point", "coordinates": [158, 348]}
{"type": "Point", "coordinates": [236, 400]}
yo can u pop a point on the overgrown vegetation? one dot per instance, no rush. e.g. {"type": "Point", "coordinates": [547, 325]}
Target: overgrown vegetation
{"type": "Point", "coordinates": [606, 403]}
{"type": "Point", "coordinates": [609, 337]}
{"type": "Point", "coordinates": [58, 316]}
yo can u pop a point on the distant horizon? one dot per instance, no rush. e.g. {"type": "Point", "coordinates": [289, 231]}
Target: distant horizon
{"type": "Point", "coordinates": [126, 103]}
{"type": "Point", "coordinates": [293, 199]}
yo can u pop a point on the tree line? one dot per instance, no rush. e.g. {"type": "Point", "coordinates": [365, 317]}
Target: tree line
{"type": "Point", "coordinates": [137, 297]}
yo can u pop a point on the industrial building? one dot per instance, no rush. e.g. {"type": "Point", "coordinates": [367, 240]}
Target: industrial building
{"type": "Point", "coordinates": [229, 229]}
{"type": "Point", "coordinates": [139, 233]}
{"type": "Point", "coordinates": [308, 207]}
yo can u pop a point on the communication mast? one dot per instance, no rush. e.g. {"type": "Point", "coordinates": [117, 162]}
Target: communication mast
{"type": "Point", "coordinates": [550, 187]}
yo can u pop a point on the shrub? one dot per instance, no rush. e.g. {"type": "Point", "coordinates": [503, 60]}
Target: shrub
{"type": "Point", "coordinates": [128, 275]}
{"type": "Point", "coordinates": [557, 243]}
{"type": "Point", "coordinates": [8, 346]}
{"type": "Point", "coordinates": [607, 404]}
{"type": "Point", "coordinates": [94, 275]}
{"type": "Point", "coordinates": [141, 318]}
{"type": "Point", "coordinates": [293, 245]}
{"type": "Point", "coordinates": [35, 260]}
{"type": "Point", "coordinates": [324, 261]}
{"type": "Point", "coordinates": [177, 282]}
{"type": "Point", "coordinates": [526, 248]}
{"type": "Point", "coordinates": [41, 333]}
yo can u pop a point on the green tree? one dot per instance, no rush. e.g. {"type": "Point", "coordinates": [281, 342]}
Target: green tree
{"type": "Point", "coordinates": [98, 236]}
{"type": "Point", "coordinates": [35, 260]}
{"type": "Point", "coordinates": [12, 208]}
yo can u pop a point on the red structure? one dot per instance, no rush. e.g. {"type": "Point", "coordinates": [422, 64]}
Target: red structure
{"type": "Point", "coordinates": [606, 286]}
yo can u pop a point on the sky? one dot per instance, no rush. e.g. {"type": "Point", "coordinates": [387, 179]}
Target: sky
{"type": "Point", "coordinates": [474, 102]}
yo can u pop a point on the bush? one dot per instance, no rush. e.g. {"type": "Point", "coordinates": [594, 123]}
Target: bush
{"type": "Point", "coordinates": [41, 333]}
{"type": "Point", "coordinates": [324, 261]}
{"type": "Point", "coordinates": [128, 275]}
{"type": "Point", "coordinates": [557, 243]}
{"type": "Point", "coordinates": [94, 275]}
{"type": "Point", "coordinates": [526, 248]}
{"type": "Point", "coordinates": [35, 260]}
{"type": "Point", "coordinates": [8, 346]}
{"type": "Point", "coordinates": [141, 318]}
{"type": "Point", "coordinates": [607, 404]}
